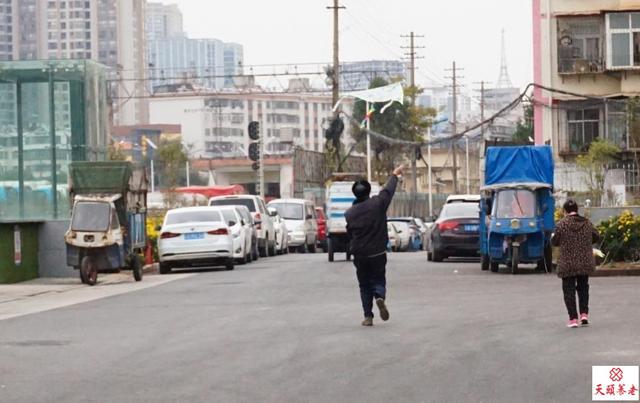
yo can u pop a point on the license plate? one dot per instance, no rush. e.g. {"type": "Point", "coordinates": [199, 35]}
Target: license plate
{"type": "Point", "coordinates": [471, 228]}
{"type": "Point", "coordinates": [194, 235]}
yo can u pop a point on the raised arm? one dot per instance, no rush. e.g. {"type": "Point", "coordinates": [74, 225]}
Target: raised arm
{"type": "Point", "coordinates": [386, 194]}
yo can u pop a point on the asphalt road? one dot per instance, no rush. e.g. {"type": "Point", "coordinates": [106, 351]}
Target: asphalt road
{"type": "Point", "coordinates": [287, 329]}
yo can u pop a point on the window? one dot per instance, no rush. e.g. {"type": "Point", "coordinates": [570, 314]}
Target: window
{"type": "Point", "coordinates": [617, 124]}
{"type": "Point", "coordinates": [583, 127]}
{"type": "Point", "coordinates": [515, 204]}
{"type": "Point", "coordinates": [580, 44]}
{"type": "Point", "coordinates": [623, 38]}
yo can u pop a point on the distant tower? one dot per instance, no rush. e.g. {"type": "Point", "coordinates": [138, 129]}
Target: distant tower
{"type": "Point", "coordinates": [504, 81]}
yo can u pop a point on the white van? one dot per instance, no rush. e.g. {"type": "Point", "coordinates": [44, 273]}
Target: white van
{"type": "Point", "coordinates": [264, 225]}
{"type": "Point", "coordinates": [302, 224]}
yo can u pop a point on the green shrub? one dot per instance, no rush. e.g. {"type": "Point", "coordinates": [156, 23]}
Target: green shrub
{"type": "Point", "coordinates": [621, 237]}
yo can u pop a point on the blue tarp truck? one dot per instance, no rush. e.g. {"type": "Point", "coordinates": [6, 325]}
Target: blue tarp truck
{"type": "Point", "coordinates": [516, 208]}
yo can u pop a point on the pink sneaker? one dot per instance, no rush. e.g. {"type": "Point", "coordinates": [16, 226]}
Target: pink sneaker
{"type": "Point", "coordinates": [573, 323]}
{"type": "Point", "coordinates": [584, 319]}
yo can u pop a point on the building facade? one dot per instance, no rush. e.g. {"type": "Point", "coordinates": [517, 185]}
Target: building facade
{"type": "Point", "coordinates": [357, 76]}
{"type": "Point", "coordinates": [215, 126]}
{"type": "Point", "coordinates": [590, 51]}
{"type": "Point", "coordinates": [108, 31]}
{"type": "Point", "coordinates": [206, 63]}
{"type": "Point", "coordinates": [163, 21]}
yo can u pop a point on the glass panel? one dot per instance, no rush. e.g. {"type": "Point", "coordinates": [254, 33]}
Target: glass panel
{"type": "Point", "coordinates": [62, 107]}
{"type": "Point", "coordinates": [36, 142]}
{"type": "Point", "coordinates": [591, 114]}
{"type": "Point", "coordinates": [574, 114]}
{"type": "Point", "coordinates": [635, 20]}
{"type": "Point", "coordinates": [9, 188]}
{"type": "Point", "coordinates": [193, 217]}
{"type": "Point", "coordinates": [289, 211]}
{"type": "Point", "coordinates": [575, 136]}
{"type": "Point", "coordinates": [593, 49]}
{"type": "Point", "coordinates": [516, 204]}
{"type": "Point", "coordinates": [235, 202]}
{"type": "Point", "coordinates": [636, 48]}
{"type": "Point", "coordinates": [591, 132]}
{"type": "Point", "coordinates": [91, 216]}
{"type": "Point", "coordinates": [617, 124]}
{"type": "Point", "coordinates": [620, 56]}
{"type": "Point", "coordinates": [619, 20]}
{"type": "Point", "coordinates": [460, 210]}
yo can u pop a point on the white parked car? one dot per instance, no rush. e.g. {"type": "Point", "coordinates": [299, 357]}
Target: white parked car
{"type": "Point", "coordinates": [241, 232]}
{"type": "Point", "coordinates": [404, 234]}
{"type": "Point", "coordinates": [300, 217]}
{"type": "Point", "coordinates": [394, 237]}
{"type": "Point", "coordinates": [258, 209]}
{"type": "Point", "coordinates": [248, 218]}
{"type": "Point", "coordinates": [194, 237]}
{"type": "Point", "coordinates": [282, 235]}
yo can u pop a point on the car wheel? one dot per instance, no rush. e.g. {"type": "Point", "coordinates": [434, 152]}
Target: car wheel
{"type": "Point", "coordinates": [437, 255]}
{"type": "Point", "coordinates": [429, 257]}
{"type": "Point", "coordinates": [272, 248]}
{"type": "Point", "coordinates": [263, 251]}
{"type": "Point", "coordinates": [165, 268]}
{"type": "Point", "coordinates": [229, 265]}
{"type": "Point", "coordinates": [312, 248]}
{"type": "Point", "coordinates": [330, 250]}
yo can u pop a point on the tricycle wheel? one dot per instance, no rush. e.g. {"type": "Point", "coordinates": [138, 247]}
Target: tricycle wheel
{"type": "Point", "coordinates": [136, 266]}
{"type": "Point", "coordinates": [330, 249]}
{"type": "Point", "coordinates": [348, 257]}
{"type": "Point", "coordinates": [88, 271]}
{"type": "Point", "coordinates": [515, 259]}
{"type": "Point", "coordinates": [484, 263]}
{"type": "Point", "coordinates": [495, 266]}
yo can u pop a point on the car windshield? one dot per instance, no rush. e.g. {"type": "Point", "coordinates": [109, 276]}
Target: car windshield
{"type": "Point", "coordinates": [289, 211]}
{"type": "Point", "coordinates": [248, 203]}
{"type": "Point", "coordinates": [460, 210]}
{"type": "Point", "coordinates": [515, 203]}
{"type": "Point", "coordinates": [91, 216]}
{"type": "Point", "coordinates": [184, 217]}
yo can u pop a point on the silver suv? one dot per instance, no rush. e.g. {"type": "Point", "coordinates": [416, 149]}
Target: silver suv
{"type": "Point", "coordinates": [265, 229]}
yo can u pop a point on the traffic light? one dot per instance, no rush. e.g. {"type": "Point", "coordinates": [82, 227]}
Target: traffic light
{"type": "Point", "coordinates": [254, 130]}
{"type": "Point", "coordinates": [254, 151]}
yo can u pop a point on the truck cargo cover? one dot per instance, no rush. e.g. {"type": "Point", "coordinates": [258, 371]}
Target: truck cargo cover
{"type": "Point", "coordinates": [525, 166]}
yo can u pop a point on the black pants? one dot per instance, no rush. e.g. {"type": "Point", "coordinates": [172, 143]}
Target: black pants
{"type": "Point", "coordinates": [372, 280]}
{"type": "Point", "coordinates": [569, 287]}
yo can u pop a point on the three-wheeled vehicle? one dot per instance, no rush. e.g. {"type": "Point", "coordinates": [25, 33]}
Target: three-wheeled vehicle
{"type": "Point", "coordinates": [516, 208]}
{"type": "Point", "coordinates": [108, 220]}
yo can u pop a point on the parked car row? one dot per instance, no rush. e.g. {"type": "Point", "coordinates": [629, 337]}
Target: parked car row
{"type": "Point", "coordinates": [237, 229]}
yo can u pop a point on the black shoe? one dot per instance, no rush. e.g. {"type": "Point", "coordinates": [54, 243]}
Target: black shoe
{"type": "Point", "coordinates": [384, 312]}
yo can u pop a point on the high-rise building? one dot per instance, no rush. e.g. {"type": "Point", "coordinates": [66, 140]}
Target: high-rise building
{"type": "Point", "coordinates": [108, 31]}
{"type": "Point", "coordinates": [163, 21]}
{"type": "Point", "coordinates": [233, 61]}
{"type": "Point", "coordinates": [357, 76]}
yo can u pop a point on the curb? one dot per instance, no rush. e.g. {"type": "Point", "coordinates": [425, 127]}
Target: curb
{"type": "Point", "coordinates": [615, 272]}
{"type": "Point", "coordinates": [150, 268]}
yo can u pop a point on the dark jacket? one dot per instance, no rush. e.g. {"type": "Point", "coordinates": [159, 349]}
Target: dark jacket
{"type": "Point", "coordinates": [575, 235]}
{"type": "Point", "coordinates": [367, 222]}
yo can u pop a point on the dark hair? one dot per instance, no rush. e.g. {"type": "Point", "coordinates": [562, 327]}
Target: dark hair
{"type": "Point", "coordinates": [361, 189]}
{"type": "Point", "coordinates": [570, 206]}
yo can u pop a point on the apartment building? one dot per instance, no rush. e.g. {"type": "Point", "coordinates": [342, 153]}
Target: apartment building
{"type": "Point", "coordinates": [588, 48]}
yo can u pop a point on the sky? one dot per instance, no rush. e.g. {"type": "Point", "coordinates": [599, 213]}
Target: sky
{"type": "Point", "coordinates": [300, 31]}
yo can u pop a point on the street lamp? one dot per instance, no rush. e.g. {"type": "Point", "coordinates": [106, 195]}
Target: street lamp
{"type": "Point", "coordinates": [153, 177]}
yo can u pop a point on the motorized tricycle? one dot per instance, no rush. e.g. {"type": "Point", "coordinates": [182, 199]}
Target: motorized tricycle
{"type": "Point", "coordinates": [516, 208]}
{"type": "Point", "coordinates": [108, 221]}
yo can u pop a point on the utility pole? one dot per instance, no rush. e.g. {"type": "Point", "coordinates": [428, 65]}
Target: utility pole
{"type": "Point", "coordinates": [483, 143]}
{"type": "Point", "coordinates": [454, 124]}
{"type": "Point", "coordinates": [336, 51]}
{"type": "Point", "coordinates": [412, 56]}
